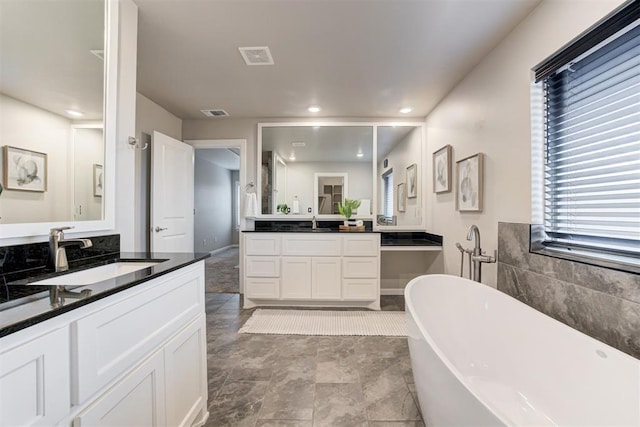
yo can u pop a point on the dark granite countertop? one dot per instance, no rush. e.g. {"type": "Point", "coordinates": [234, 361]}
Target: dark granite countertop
{"type": "Point", "coordinates": [410, 242]}
{"type": "Point", "coordinates": [309, 230]}
{"type": "Point", "coordinates": [410, 238]}
{"type": "Point", "coordinates": [25, 305]}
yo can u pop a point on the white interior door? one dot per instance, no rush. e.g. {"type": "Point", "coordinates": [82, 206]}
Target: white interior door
{"type": "Point", "coordinates": [171, 195]}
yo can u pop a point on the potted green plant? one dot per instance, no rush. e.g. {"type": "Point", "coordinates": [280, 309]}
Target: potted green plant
{"type": "Point", "coordinates": [347, 209]}
{"type": "Point", "coordinates": [283, 208]}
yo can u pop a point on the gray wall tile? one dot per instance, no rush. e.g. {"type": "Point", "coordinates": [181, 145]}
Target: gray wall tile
{"type": "Point", "coordinates": [602, 303]}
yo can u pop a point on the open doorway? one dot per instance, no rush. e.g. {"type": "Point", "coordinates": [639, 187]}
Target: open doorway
{"type": "Point", "coordinates": [219, 180]}
{"type": "Point", "coordinates": [217, 216]}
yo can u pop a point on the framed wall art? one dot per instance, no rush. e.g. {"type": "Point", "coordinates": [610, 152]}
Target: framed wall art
{"type": "Point", "coordinates": [97, 181]}
{"type": "Point", "coordinates": [469, 183]}
{"type": "Point", "coordinates": [442, 170]}
{"type": "Point", "coordinates": [401, 198]}
{"type": "Point", "coordinates": [24, 170]}
{"type": "Point", "coordinates": [412, 181]}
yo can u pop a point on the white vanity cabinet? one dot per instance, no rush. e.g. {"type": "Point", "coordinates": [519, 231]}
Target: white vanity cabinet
{"type": "Point", "coordinates": [312, 269]}
{"type": "Point", "coordinates": [34, 380]}
{"type": "Point", "coordinates": [137, 357]}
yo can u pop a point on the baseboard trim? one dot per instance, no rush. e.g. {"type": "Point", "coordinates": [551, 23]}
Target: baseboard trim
{"type": "Point", "coordinates": [215, 251]}
{"type": "Point", "coordinates": [391, 291]}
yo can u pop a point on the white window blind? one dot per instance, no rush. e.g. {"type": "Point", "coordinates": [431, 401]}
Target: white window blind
{"type": "Point", "coordinates": [592, 148]}
{"type": "Point", "coordinates": [387, 207]}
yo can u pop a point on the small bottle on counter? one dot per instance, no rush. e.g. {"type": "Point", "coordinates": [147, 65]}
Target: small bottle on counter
{"type": "Point", "coordinates": [296, 205]}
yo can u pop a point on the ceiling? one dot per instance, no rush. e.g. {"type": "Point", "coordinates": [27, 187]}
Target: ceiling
{"type": "Point", "coordinates": [222, 157]}
{"type": "Point", "coordinates": [352, 58]}
{"type": "Point", "coordinates": [322, 143]}
{"type": "Point", "coordinates": [45, 54]}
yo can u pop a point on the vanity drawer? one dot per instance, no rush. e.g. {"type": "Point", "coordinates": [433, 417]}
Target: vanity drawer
{"type": "Point", "coordinates": [262, 244]}
{"type": "Point", "coordinates": [316, 245]}
{"type": "Point", "coordinates": [360, 267]}
{"type": "Point", "coordinates": [359, 289]}
{"type": "Point", "coordinates": [108, 342]}
{"type": "Point", "coordinates": [361, 245]}
{"type": "Point", "coordinates": [263, 266]}
{"type": "Point", "coordinates": [262, 288]}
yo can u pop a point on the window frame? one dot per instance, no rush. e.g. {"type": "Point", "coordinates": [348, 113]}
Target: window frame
{"type": "Point", "coordinates": [595, 38]}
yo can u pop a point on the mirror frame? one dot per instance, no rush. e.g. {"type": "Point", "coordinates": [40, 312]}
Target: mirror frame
{"type": "Point", "coordinates": [374, 200]}
{"type": "Point", "coordinates": [39, 231]}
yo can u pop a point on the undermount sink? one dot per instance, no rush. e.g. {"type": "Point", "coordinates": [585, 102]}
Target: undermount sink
{"type": "Point", "coordinates": [321, 230]}
{"type": "Point", "coordinates": [96, 274]}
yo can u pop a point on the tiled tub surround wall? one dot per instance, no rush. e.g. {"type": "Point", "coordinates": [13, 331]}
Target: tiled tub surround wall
{"type": "Point", "coordinates": [20, 261]}
{"type": "Point", "coordinates": [600, 302]}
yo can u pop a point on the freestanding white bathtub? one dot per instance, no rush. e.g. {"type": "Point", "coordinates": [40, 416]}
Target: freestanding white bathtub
{"type": "Point", "coordinates": [483, 358]}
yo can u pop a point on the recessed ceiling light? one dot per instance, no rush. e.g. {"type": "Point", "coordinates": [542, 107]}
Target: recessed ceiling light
{"type": "Point", "coordinates": [406, 110]}
{"type": "Point", "coordinates": [74, 113]}
{"type": "Point", "coordinates": [292, 157]}
{"type": "Point", "coordinates": [360, 154]}
{"type": "Point", "coordinates": [313, 109]}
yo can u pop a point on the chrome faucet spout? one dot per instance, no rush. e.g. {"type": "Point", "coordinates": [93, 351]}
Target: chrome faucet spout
{"type": "Point", "coordinates": [57, 244]}
{"type": "Point", "coordinates": [474, 234]}
{"type": "Point", "coordinates": [478, 257]}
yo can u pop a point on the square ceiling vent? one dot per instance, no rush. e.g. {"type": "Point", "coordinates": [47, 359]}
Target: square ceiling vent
{"type": "Point", "coordinates": [215, 113]}
{"type": "Point", "coordinates": [256, 55]}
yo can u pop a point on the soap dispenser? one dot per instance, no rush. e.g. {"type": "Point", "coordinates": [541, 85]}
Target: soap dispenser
{"type": "Point", "coordinates": [296, 205]}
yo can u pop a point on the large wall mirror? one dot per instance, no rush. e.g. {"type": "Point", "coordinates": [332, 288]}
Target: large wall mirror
{"type": "Point", "coordinates": [57, 126]}
{"type": "Point", "coordinates": [400, 176]}
{"type": "Point", "coordinates": [314, 167]}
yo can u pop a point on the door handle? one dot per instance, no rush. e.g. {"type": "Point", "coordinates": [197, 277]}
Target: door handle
{"type": "Point", "coordinates": [159, 229]}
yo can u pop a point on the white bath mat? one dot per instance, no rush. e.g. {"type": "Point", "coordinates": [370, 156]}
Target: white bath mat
{"type": "Point", "coordinates": [321, 322]}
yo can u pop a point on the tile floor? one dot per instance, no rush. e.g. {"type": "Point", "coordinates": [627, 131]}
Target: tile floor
{"type": "Point", "coordinates": [221, 272]}
{"type": "Point", "coordinates": [278, 380]}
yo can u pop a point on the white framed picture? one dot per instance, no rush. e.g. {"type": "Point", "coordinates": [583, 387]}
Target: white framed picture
{"type": "Point", "coordinates": [24, 170]}
{"type": "Point", "coordinates": [98, 181]}
{"type": "Point", "coordinates": [469, 183]}
{"type": "Point", "coordinates": [412, 181]}
{"type": "Point", "coordinates": [442, 170]}
{"type": "Point", "coordinates": [401, 198]}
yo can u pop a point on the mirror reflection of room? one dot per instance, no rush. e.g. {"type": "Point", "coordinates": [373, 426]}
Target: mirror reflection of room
{"type": "Point", "coordinates": [51, 138]}
{"type": "Point", "coordinates": [314, 168]}
{"type": "Point", "coordinates": [399, 175]}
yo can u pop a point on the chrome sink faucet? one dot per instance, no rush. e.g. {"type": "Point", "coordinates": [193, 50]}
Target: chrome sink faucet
{"type": "Point", "coordinates": [314, 225]}
{"type": "Point", "coordinates": [57, 244]}
{"type": "Point", "coordinates": [478, 256]}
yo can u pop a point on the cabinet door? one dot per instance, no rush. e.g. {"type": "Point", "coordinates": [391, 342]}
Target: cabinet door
{"type": "Point", "coordinates": [262, 266]}
{"type": "Point", "coordinates": [185, 363]}
{"type": "Point", "coordinates": [108, 342]}
{"type": "Point", "coordinates": [137, 400]}
{"type": "Point", "coordinates": [262, 287]}
{"type": "Point", "coordinates": [296, 278]}
{"type": "Point", "coordinates": [34, 381]}
{"type": "Point", "coordinates": [262, 244]}
{"type": "Point", "coordinates": [326, 278]}
{"type": "Point", "coordinates": [312, 245]}
{"type": "Point", "coordinates": [361, 245]}
{"type": "Point", "coordinates": [360, 268]}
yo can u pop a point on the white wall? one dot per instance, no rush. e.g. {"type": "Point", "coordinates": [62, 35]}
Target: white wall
{"type": "Point", "coordinates": [488, 111]}
{"type": "Point", "coordinates": [405, 153]}
{"type": "Point", "coordinates": [213, 222]}
{"type": "Point", "coordinates": [88, 146]}
{"type": "Point", "coordinates": [300, 180]}
{"type": "Point", "coordinates": [25, 126]}
{"type": "Point", "coordinates": [150, 117]}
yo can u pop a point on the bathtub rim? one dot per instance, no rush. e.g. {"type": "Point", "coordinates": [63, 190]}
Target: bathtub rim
{"type": "Point", "coordinates": [410, 308]}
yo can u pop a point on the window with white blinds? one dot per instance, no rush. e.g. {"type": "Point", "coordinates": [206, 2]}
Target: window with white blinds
{"type": "Point", "coordinates": [592, 148]}
{"type": "Point", "coordinates": [387, 202]}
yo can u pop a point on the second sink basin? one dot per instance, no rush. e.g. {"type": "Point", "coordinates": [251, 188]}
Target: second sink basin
{"type": "Point", "coordinates": [96, 274]}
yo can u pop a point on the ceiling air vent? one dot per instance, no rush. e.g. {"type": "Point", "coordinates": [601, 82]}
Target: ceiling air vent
{"type": "Point", "coordinates": [256, 55]}
{"type": "Point", "coordinates": [215, 113]}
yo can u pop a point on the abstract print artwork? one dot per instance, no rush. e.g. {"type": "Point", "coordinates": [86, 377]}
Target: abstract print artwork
{"type": "Point", "coordinates": [442, 170]}
{"type": "Point", "coordinates": [24, 170]}
{"type": "Point", "coordinates": [97, 180]}
{"type": "Point", "coordinates": [470, 173]}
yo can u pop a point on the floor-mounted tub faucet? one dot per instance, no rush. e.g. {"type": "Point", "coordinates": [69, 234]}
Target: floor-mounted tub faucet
{"type": "Point", "coordinates": [314, 224]}
{"type": "Point", "coordinates": [478, 256]}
